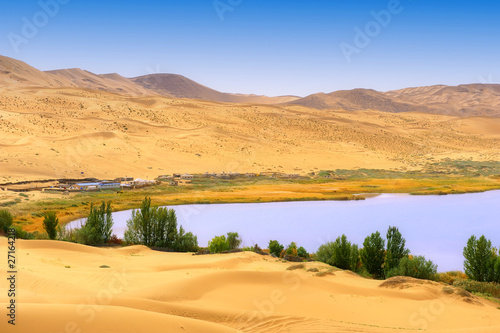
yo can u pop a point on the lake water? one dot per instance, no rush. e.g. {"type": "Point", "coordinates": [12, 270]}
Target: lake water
{"type": "Point", "coordinates": [435, 226]}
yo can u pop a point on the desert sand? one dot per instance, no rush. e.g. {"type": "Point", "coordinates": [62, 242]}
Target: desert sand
{"type": "Point", "coordinates": [60, 133]}
{"type": "Point", "coordinates": [65, 287]}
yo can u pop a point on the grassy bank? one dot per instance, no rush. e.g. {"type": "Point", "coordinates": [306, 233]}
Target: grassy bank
{"type": "Point", "coordinates": [342, 185]}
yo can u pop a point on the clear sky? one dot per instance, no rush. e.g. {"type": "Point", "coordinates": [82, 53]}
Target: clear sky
{"type": "Point", "coordinates": [263, 47]}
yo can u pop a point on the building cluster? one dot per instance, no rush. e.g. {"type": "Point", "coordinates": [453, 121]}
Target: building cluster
{"type": "Point", "coordinates": [99, 185]}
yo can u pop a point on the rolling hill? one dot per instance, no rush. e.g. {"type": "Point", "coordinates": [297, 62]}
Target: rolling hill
{"type": "Point", "coordinates": [463, 100]}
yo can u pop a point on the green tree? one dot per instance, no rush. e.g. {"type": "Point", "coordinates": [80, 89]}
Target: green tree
{"type": "Point", "coordinates": [50, 222]}
{"type": "Point", "coordinates": [186, 242]}
{"type": "Point", "coordinates": [342, 253]}
{"type": "Point", "coordinates": [98, 226]}
{"type": "Point", "coordinates": [478, 259]}
{"type": "Point", "coordinates": [218, 244]}
{"type": "Point", "coordinates": [395, 249]}
{"type": "Point", "coordinates": [301, 252]}
{"type": "Point", "coordinates": [354, 259]}
{"type": "Point", "coordinates": [325, 253]}
{"type": "Point", "coordinates": [291, 249]}
{"type": "Point", "coordinates": [416, 267]}
{"type": "Point", "coordinates": [373, 255]}
{"type": "Point", "coordinates": [234, 240]}
{"type": "Point", "coordinates": [155, 226]}
{"type": "Point", "coordinates": [5, 219]}
{"type": "Point", "coordinates": [275, 248]}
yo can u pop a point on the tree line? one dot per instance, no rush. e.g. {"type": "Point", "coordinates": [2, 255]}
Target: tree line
{"type": "Point", "coordinates": [157, 227]}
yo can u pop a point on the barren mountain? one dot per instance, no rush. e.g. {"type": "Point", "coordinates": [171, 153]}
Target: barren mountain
{"type": "Point", "coordinates": [15, 74]}
{"type": "Point", "coordinates": [463, 100]}
{"type": "Point", "coordinates": [106, 82]}
{"type": "Point", "coordinates": [358, 99]}
{"type": "Point", "coordinates": [182, 87]}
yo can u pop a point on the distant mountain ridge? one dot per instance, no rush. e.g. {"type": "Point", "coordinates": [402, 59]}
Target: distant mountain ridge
{"type": "Point", "coordinates": [463, 100]}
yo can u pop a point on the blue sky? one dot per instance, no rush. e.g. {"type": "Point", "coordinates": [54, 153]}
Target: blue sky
{"type": "Point", "coordinates": [263, 47]}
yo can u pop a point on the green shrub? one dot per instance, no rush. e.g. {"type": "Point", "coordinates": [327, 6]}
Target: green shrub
{"type": "Point", "coordinates": [417, 267]}
{"type": "Point", "coordinates": [22, 234]}
{"type": "Point", "coordinates": [218, 244]}
{"type": "Point", "coordinates": [5, 219]}
{"type": "Point", "coordinates": [50, 223]}
{"type": "Point", "coordinates": [275, 248]}
{"type": "Point", "coordinates": [488, 288]}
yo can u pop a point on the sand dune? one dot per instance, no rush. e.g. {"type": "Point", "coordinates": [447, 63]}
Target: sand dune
{"type": "Point", "coordinates": [61, 132]}
{"type": "Point", "coordinates": [134, 289]}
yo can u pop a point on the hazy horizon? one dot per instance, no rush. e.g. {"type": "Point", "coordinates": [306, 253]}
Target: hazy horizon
{"type": "Point", "coordinates": [262, 48]}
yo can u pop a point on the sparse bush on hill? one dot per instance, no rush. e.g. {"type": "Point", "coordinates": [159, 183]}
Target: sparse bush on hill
{"type": "Point", "coordinates": [50, 223]}
{"type": "Point", "coordinates": [451, 277]}
{"type": "Point", "coordinates": [416, 267]}
{"type": "Point", "coordinates": [485, 288]}
{"type": "Point", "coordinates": [275, 247]}
{"type": "Point", "coordinates": [6, 219]}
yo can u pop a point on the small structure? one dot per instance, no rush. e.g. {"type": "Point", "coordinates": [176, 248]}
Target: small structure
{"type": "Point", "coordinates": [122, 180]}
{"type": "Point", "coordinates": [86, 186]}
{"type": "Point", "coordinates": [173, 183]}
{"type": "Point", "coordinates": [251, 175]}
{"type": "Point", "coordinates": [110, 186]}
{"type": "Point", "coordinates": [187, 176]}
{"type": "Point", "coordinates": [291, 175]}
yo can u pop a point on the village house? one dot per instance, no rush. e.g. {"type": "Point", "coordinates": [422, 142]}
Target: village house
{"type": "Point", "coordinates": [187, 176]}
{"type": "Point", "coordinates": [86, 186]}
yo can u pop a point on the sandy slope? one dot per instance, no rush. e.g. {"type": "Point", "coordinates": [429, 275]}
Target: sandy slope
{"type": "Point", "coordinates": [62, 285]}
{"type": "Point", "coordinates": [59, 133]}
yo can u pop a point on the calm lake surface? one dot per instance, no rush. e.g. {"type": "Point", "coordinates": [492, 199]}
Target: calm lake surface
{"type": "Point", "coordinates": [434, 226]}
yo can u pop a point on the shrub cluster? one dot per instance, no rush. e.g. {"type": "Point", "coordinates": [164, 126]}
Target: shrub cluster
{"type": "Point", "coordinates": [157, 227]}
